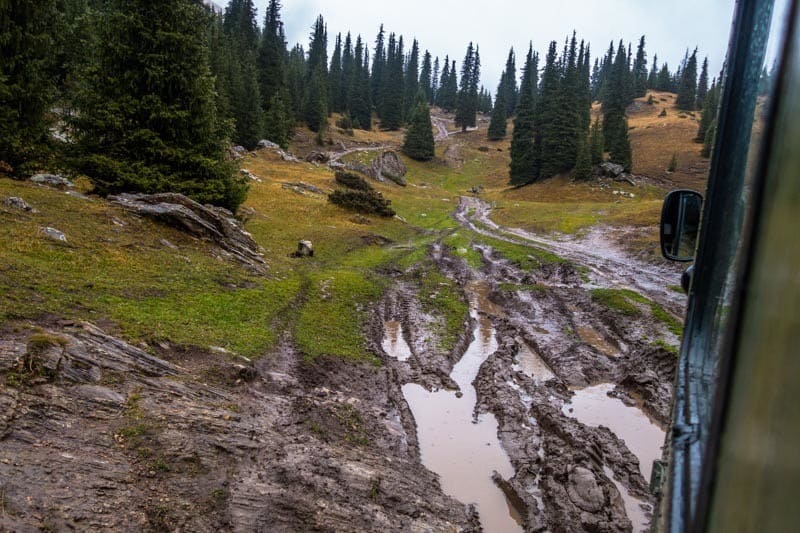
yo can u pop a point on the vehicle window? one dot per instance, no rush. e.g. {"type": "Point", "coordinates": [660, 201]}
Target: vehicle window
{"type": "Point", "coordinates": [749, 82]}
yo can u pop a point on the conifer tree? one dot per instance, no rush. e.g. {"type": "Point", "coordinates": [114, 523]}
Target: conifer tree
{"type": "Point", "coordinates": [596, 143]}
{"type": "Point", "coordinates": [392, 98]}
{"type": "Point", "coordinates": [26, 92]}
{"type": "Point", "coordinates": [336, 78]}
{"type": "Point", "coordinates": [615, 125]}
{"type": "Point", "coordinates": [583, 163]}
{"type": "Point", "coordinates": [359, 103]}
{"type": "Point", "coordinates": [419, 140]}
{"type": "Point", "coordinates": [509, 83]}
{"type": "Point", "coordinates": [664, 81]}
{"type": "Point", "coordinates": [467, 103]}
{"type": "Point", "coordinates": [556, 115]}
{"type": "Point", "coordinates": [708, 142]}
{"type": "Point", "coordinates": [276, 121]}
{"type": "Point", "coordinates": [272, 56]}
{"type": "Point", "coordinates": [702, 86]}
{"type": "Point", "coordinates": [296, 80]}
{"type": "Point", "coordinates": [687, 90]}
{"type": "Point", "coordinates": [425, 76]}
{"type": "Point", "coordinates": [441, 89]}
{"type": "Point", "coordinates": [652, 79]}
{"type": "Point", "coordinates": [640, 71]}
{"type": "Point", "coordinates": [523, 168]}
{"type": "Point", "coordinates": [377, 80]}
{"type": "Point", "coordinates": [348, 72]}
{"type": "Point", "coordinates": [709, 114]}
{"type": "Point", "coordinates": [497, 126]}
{"type": "Point", "coordinates": [411, 81]}
{"type": "Point", "coordinates": [315, 101]}
{"type": "Point", "coordinates": [147, 118]}
{"type": "Point", "coordinates": [435, 81]}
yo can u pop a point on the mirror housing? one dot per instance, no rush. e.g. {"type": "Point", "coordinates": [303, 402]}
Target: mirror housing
{"type": "Point", "coordinates": [680, 225]}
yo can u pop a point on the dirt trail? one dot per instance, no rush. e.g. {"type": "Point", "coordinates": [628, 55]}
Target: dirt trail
{"type": "Point", "coordinates": [608, 266]}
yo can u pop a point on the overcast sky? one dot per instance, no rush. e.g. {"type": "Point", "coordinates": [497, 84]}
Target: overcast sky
{"type": "Point", "coordinates": [446, 26]}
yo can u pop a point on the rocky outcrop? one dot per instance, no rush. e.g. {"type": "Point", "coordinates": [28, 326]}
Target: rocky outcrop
{"type": "Point", "coordinates": [18, 203]}
{"type": "Point", "coordinates": [52, 180]}
{"type": "Point", "coordinates": [389, 166]}
{"type": "Point", "coordinates": [206, 222]}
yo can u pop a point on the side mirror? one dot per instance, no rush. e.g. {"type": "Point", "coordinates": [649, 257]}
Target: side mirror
{"type": "Point", "coordinates": [680, 225]}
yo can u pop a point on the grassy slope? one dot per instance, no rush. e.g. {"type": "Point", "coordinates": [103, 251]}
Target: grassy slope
{"type": "Point", "coordinates": [115, 270]}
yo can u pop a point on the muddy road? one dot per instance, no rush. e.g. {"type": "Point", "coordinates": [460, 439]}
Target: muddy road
{"type": "Point", "coordinates": [545, 415]}
{"type": "Point", "coordinates": [608, 265]}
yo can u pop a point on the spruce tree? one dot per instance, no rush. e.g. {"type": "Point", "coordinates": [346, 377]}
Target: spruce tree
{"type": "Point", "coordinates": [687, 90]}
{"type": "Point", "coordinates": [419, 140]}
{"type": "Point", "coordinates": [336, 78]}
{"type": "Point", "coordinates": [272, 56]}
{"type": "Point", "coordinates": [467, 103]}
{"type": "Point", "coordinates": [392, 96]}
{"type": "Point", "coordinates": [425, 75]}
{"type": "Point", "coordinates": [583, 163]}
{"type": "Point", "coordinates": [435, 81]}
{"type": "Point", "coordinates": [708, 142]}
{"type": "Point", "coordinates": [411, 81]}
{"type": "Point", "coordinates": [640, 71]}
{"type": "Point", "coordinates": [315, 101]}
{"type": "Point", "coordinates": [296, 80]}
{"type": "Point", "coordinates": [509, 83]}
{"type": "Point", "coordinates": [709, 114]}
{"type": "Point", "coordinates": [652, 79]}
{"type": "Point", "coordinates": [26, 92]}
{"type": "Point", "coordinates": [276, 121]}
{"type": "Point", "coordinates": [664, 81]}
{"type": "Point", "coordinates": [523, 168]}
{"type": "Point", "coordinates": [702, 86]}
{"type": "Point", "coordinates": [147, 119]}
{"type": "Point", "coordinates": [615, 125]}
{"type": "Point", "coordinates": [497, 126]}
{"type": "Point", "coordinates": [378, 71]}
{"type": "Point", "coordinates": [359, 103]}
{"type": "Point", "coordinates": [441, 89]}
{"type": "Point", "coordinates": [596, 143]}
{"type": "Point", "coordinates": [348, 73]}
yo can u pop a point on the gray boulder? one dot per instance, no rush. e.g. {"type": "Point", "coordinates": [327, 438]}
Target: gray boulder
{"type": "Point", "coordinates": [612, 169]}
{"type": "Point", "coordinates": [54, 235]}
{"type": "Point", "coordinates": [206, 222]}
{"type": "Point", "coordinates": [304, 249]}
{"type": "Point", "coordinates": [52, 180]}
{"type": "Point", "coordinates": [18, 203]}
{"type": "Point", "coordinates": [389, 166]}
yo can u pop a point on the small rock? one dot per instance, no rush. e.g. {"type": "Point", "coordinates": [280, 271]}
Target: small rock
{"type": "Point", "coordinates": [612, 169]}
{"type": "Point", "coordinates": [52, 180]}
{"type": "Point", "coordinates": [54, 235]}
{"type": "Point", "coordinates": [263, 143]}
{"type": "Point", "coordinates": [168, 244]}
{"type": "Point", "coordinates": [19, 203]}
{"type": "Point", "coordinates": [584, 491]}
{"type": "Point", "coordinates": [304, 249]}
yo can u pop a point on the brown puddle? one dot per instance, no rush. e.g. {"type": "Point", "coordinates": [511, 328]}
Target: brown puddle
{"type": "Point", "coordinates": [593, 407]}
{"type": "Point", "coordinates": [633, 505]}
{"type": "Point", "coordinates": [531, 363]}
{"type": "Point", "coordinates": [590, 336]}
{"type": "Point", "coordinates": [394, 344]}
{"type": "Point", "coordinates": [462, 450]}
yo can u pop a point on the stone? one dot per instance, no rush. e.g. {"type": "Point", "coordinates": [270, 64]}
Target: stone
{"type": "Point", "coordinates": [302, 187]}
{"type": "Point", "coordinates": [389, 166]}
{"type": "Point", "coordinates": [612, 169]}
{"type": "Point", "coordinates": [584, 491]}
{"type": "Point", "coordinates": [304, 249]}
{"type": "Point", "coordinates": [52, 180]}
{"type": "Point", "coordinates": [18, 203]}
{"type": "Point", "coordinates": [54, 235]}
{"type": "Point", "coordinates": [249, 175]}
{"type": "Point", "coordinates": [318, 157]}
{"type": "Point", "coordinates": [263, 143]}
{"type": "Point", "coordinates": [206, 222]}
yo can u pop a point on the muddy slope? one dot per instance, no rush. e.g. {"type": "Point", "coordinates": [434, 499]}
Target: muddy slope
{"type": "Point", "coordinates": [96, 434]}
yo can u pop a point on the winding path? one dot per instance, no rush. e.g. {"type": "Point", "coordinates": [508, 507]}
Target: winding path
{"type": "Point", "coordinates": [608, 265]}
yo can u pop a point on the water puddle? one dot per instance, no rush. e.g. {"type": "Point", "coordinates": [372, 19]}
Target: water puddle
{"type": "Point", "coordinates": [590, 336]}
{"type": "Point", "coordinates": [531, 363]}
{"type": "Point", "coordinates": [633, 505]}
{"type": "Point", "coordinates": [394, 343]}
{"type": "Point", "coordinates": [643, 437]}
{"type": "Point", "coordinates": [462, 450]}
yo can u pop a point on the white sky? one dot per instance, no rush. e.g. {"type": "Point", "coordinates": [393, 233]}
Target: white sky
{"type": "Point", "coordinates": [446, 26]}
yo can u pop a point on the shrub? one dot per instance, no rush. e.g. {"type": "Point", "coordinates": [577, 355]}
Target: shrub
{"type": "Point", "coordinates": [365, 202]}
{"type": "Point", "coordinates": [352, 181]}
{"type": "Point", "coordinates": [663, 113]}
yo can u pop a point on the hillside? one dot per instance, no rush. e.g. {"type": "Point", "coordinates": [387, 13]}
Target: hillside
{"type": "Point", "coordinates": [145, 372]}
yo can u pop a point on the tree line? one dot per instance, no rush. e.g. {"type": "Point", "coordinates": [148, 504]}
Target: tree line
{"type": "Point", "coordinates": [553, 129]}
{"type": "Point", "coordinates": [150, 97]}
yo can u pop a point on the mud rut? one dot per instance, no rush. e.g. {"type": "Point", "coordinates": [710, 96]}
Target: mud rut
{"type": "Point", "coordinates": [580, 393]}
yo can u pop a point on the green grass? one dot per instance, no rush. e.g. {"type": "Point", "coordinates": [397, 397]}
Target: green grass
{"type": "Point", "coordinates": [461, 244]}
{"type": "Point", "coordinates": [441, 296]}
{"type": "Point", "coordinates": [625, 301]}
